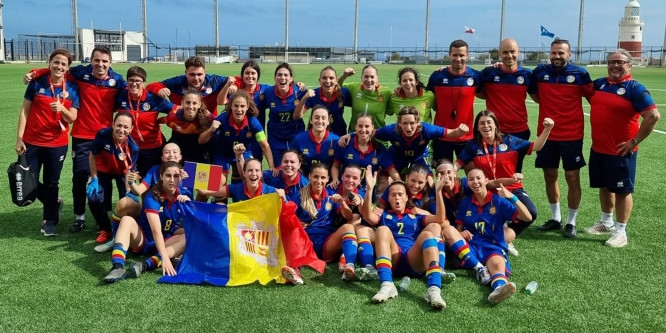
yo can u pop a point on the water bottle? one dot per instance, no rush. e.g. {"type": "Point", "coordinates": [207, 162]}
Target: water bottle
{"type": "Point", "coordinates": [531, 287]}
{"type": "Point", "coordinates": [404, 283]}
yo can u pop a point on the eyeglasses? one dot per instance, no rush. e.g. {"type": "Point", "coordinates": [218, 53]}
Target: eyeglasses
{"type": "Point", "coordinates": [135, 81]}
{"type": "Point", "coordinates": [617, 62]}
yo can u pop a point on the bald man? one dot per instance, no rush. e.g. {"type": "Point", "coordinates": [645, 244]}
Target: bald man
{"type": "Point", "coordinates": [505, 88]}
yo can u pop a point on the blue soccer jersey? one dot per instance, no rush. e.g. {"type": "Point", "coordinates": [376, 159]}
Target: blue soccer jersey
{"type": "Point", "coordinates": [290, 188]}
{"type": "Point", "coordinates": [335, 105]}
{"type": "Point", "coordinates": [376, 155]}
{"type": "Point", "coordinates": [497, 160]}
{"type": "Point", "coordinates": [405, 227]}
{"type": "Point", "coordinates": [451, 202]}
{"type": "Point", "coordinates": [281, 125]}
{"type": "Point", "coordinates": [486, 223]}
{"type": "Point", "coordinates": [178, 86]}
{"type": "Point", "coordinates": [145, 111]}
{"type": "Point", "coordinates": [112, 157]}
{"type": "Point", "coordinates": [322, 225]}
{"type": "Point", "coordinates": [170, 214]}
{"type": "Point", "coordinates": [229, 134]}
{"type": "Point", "coordinates": [406, 150]}
{"type": "Point", "coordinates": [313, 151]}
{"type": "Point", "coordinates": [238, 192]}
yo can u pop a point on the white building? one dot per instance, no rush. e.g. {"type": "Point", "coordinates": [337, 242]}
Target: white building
{"type": "Point", "coordinates": [631, 29]}
{"type": "Point", "coordinates": [124, 45]}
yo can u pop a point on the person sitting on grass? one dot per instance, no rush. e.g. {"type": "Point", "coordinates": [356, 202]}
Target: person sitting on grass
{"type": "Point", "coordinates": [480, 220]}
{"type": "Point", "coordinates": [158, 232]}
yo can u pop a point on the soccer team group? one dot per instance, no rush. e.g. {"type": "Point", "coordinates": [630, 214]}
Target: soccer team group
{"type": "Point", "coordinates": [367, 190]}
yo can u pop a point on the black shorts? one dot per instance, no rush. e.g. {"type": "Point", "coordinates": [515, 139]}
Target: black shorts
{"type": "Point", "coordinates": [616, 173]}
{"type": "Point", "coordinates": [571, 153]}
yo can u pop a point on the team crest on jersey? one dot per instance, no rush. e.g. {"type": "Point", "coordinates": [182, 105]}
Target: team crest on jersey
{"type": "Point", "coordinates": [328, 206]}
{"type": "Point", "coordinates": [374, 161]}
{"type": "Point", "coordinates": [422, 142]}
{"type": "Point", "coordinates": [341, 104]}
{"type": "Point", "coordinates": [571, 78]}
{"type": "Point", "coordinates": [496, 79]}
{"type": "Point", "coordinates": [306, 151]}
{"type": "Point", "coordinates": [272, 105]}
{"type": "Point", "coordinates": [546, 77]}
{"type": "Point", "coordinates": [492, 210]}
{"type": "Point", "coordinates": [41, 91]}
{"type": "Point", "coordinates": [227, 133]}
{"type": "Point", "coordinates": [424, 104]}
{"type": "Point", "coordinates": [503, 147]}
{"type": "Point", "coordinates": [331, 152]}
{"type": "Point", "coordinates": [468, 213]}
{"type": "Point", "coordinates": [389, 217]}
{"type": "Point", "coordinates": [161, 209]}
{"type": "Point", "coordinates": [397, 144]}
{"type": "Point", "coordinates": [350, 156]}
{"type": "Point", "coordinates": [470, 81]}
{"type": "Point", "coordinates": [258, 242]}
{"type": "Point", "coordinates": [209, 90]}
{"type": "Point", "coordinates": [520, 80]}
{"type": "Point", "coordinates": [296, 101]}
{"type": "Point", "coordinates": [445, 81]}
{"type": "Point", "coordinates": [112, 82]}
{"type": "Point", "coordinates": [64, 94]}
{"type": "Point", "coordinates": [145, 106]}
{"type": "Point", "coordinates": [413, 217]}
{"type": "Point", "coordinates": [621, 91]}
{"type": "Point", "coordinates": [380, 98]}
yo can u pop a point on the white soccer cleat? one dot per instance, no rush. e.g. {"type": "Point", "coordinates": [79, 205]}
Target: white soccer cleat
{"type": "Point", "coordinates": [483, 276]}
{"type": "Point", "coordinates": [599, 229]}
{"type": "Point", "coordinates": [386, 292]}
{"type": "Point", "coordinates": [617, 239]}
{"type": "Point", "coordinates": [434, 298]}
{"type": "Point", "coordinates": [502, 292]}
{"type": "Point", "coordinates": [292, 275]}
{"type": "Point", "coordinates": [511, 249]}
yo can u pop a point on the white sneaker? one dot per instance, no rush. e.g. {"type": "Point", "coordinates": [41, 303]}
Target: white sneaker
{"type": "Point", "coordinates": [512, 249]}
{"type": "Point", "coordinates": [502, 292]}
{"type": "Point", "coordinates": [367, 273]}
{"type": "Point", "coordinates": [482, 275]}
{"type": "Point", "coordinates": [617, 239]}
{"type": "Point", "coordinates": [292, 275]}
{"type": "Point", "coordinates": [434, 298]}
{"type": "Point", "coordinates": [106, 247]}
{"type": "Point", "coordinates": [386, 292]}
{"type": "Point", "coordinates": [599, 229]}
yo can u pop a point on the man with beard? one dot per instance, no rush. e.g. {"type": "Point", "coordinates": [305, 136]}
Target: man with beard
{"type": "Point", "coordinates": [558, 88]}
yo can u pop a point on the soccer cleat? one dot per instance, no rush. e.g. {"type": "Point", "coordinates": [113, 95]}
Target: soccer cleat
{"type": "Point", "coordinates": [599, 228]}
{"type": "Point", "coordinates": [502, 292]}
{"type": "Point", "coordinates": [434, 298]}
{"type": "Point", "coordinates": [448, 277]}
{"type": "Point", "coordinates": [482, 275]}
{"type": "Point", "coordinates": [617, 239]}
{"type": "Point", "coordinates": [550, 225]}
{"type": "Point", "coordinates": [386, 292]}
{"type": "Point", "coordinates": [104, 236]}
{"type": "Point", "coordinates": [292, 275]}
{"type": "Point", "coordinates": [570, 231]}
{"type": "Point", "coordinates": [78, 226]}
{"type": "Point", "coordinates": [367, 273]}
{"type": "Point", "coordinates": [136, 269]}
{"type": "Point", "coordinates": [511, 249]}
{"type": "Point", "coordinates": [49, 229]}
{"type": "Point", "coordinates": [349, 274]}
{"type": "Point", "coordinates": [106, 247]}
{"type": "Point", "coordinates": [115, 274]}
{"type": "Point", "coordinates": [342, 263]}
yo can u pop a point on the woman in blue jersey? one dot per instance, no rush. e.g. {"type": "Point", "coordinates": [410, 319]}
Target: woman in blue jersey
{"type": "Point", "coordinates": [186, 123]}
{"type": "Point", "coordinates": [317, 144]}
{"type": "Point", "coordinates": [237, 125]}
{"type": "Point", "coordinates": [281, 100]}
{"type": "Point", "coordinates": [251, 186]}
{"type": "Point", "coordinates": [113, 154]}
{"type": "Point", "coordinates": [289, 177]}
{"type": "Point", "coordinates": [157, 233]}
{"type": "Point", "coordinates": [318, 207]}
{"type": "Point", "coordinates": [50, 104]}
{"type": "Point", "coordinates": [400, 239]}
{"type": "Point", "coordinates": [362, 151]}
{"type": "Point", "coordinates": [330, 95]}
{"type": "Point", "coordinates": [480, 220]}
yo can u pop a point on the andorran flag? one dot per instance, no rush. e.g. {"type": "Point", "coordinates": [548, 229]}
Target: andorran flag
{"type": "Point", "coordinates": [203, 176]}
{"type": "Point", "coordinates": [238, 244]}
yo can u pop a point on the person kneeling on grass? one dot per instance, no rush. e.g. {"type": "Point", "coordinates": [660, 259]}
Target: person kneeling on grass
{"type": "Point", "coordinates": [480, 220]}
{"type": "Point", "coordinates": [400, 239]}
{"type": "Point", "coordinates": [318, 208]}
{"type": "Point", "coordinates": [158, 232]}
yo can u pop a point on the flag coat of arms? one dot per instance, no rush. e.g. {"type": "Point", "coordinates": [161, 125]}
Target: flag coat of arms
{"type": "Point", "coordinates": [240, 243]}
{"type": "Point", "coordinates": [203, 176]}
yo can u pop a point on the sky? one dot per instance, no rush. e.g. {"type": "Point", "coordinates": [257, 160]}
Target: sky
{"type": "Point", "coordinates": [382, 23]}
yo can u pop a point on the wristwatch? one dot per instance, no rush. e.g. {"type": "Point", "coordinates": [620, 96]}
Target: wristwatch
{"type": "Point", "coordinates": [634, 141]}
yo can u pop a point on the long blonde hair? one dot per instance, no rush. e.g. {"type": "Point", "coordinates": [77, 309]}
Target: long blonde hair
{"type": "Point", "coordinates": [307, 203]}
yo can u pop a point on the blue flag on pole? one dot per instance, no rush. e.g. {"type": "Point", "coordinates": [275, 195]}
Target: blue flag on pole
{"type": "Point", "coordinates": [546, 33]}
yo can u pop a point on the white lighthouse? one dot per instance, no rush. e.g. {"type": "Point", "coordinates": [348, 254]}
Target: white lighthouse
{"type": "Point", "coordinates": [631, 29]}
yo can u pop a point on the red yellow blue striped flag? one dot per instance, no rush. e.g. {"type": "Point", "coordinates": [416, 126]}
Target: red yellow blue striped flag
{"type": "Point", "coordinates": [202, 176]}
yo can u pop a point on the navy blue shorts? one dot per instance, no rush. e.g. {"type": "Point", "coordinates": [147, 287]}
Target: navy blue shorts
{"type": "Point", "coordinates": [402, 267]}
{"type": "Point", "coordinates": [445, 149]}
{"type": "Point", "coordinates": [483, 252]}
{"type": "Point", "coordinates": [616, 173]}
{"type": "Point", "coordinates": [571, 153]}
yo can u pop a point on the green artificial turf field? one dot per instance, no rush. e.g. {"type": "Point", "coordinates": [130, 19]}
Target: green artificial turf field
{"type": "Point", "coordinates": [54, 284]}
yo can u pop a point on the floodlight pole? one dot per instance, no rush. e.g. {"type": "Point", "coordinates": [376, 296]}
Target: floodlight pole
{"type": "Point", "coordinates": [217, 30]}
{"type": "Point", "coordinates": [286, 30]}
{"type": "Point", "coordinates": [75, 28]}
{"type": "Point", "coordinates": [2, 36]}
{"type": "Point", "coordinates": [502, 21]}
{"type": "Point", "coordinates": [427, 28]}
{"type": "Point", "coordinates": [356, 31]}
{"type": "Point", "coordinates": [579, 50]}
{"type": "Point", "coordinates": [663, 49]}
{"type": "Point", "coordinates": [144, 19]}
